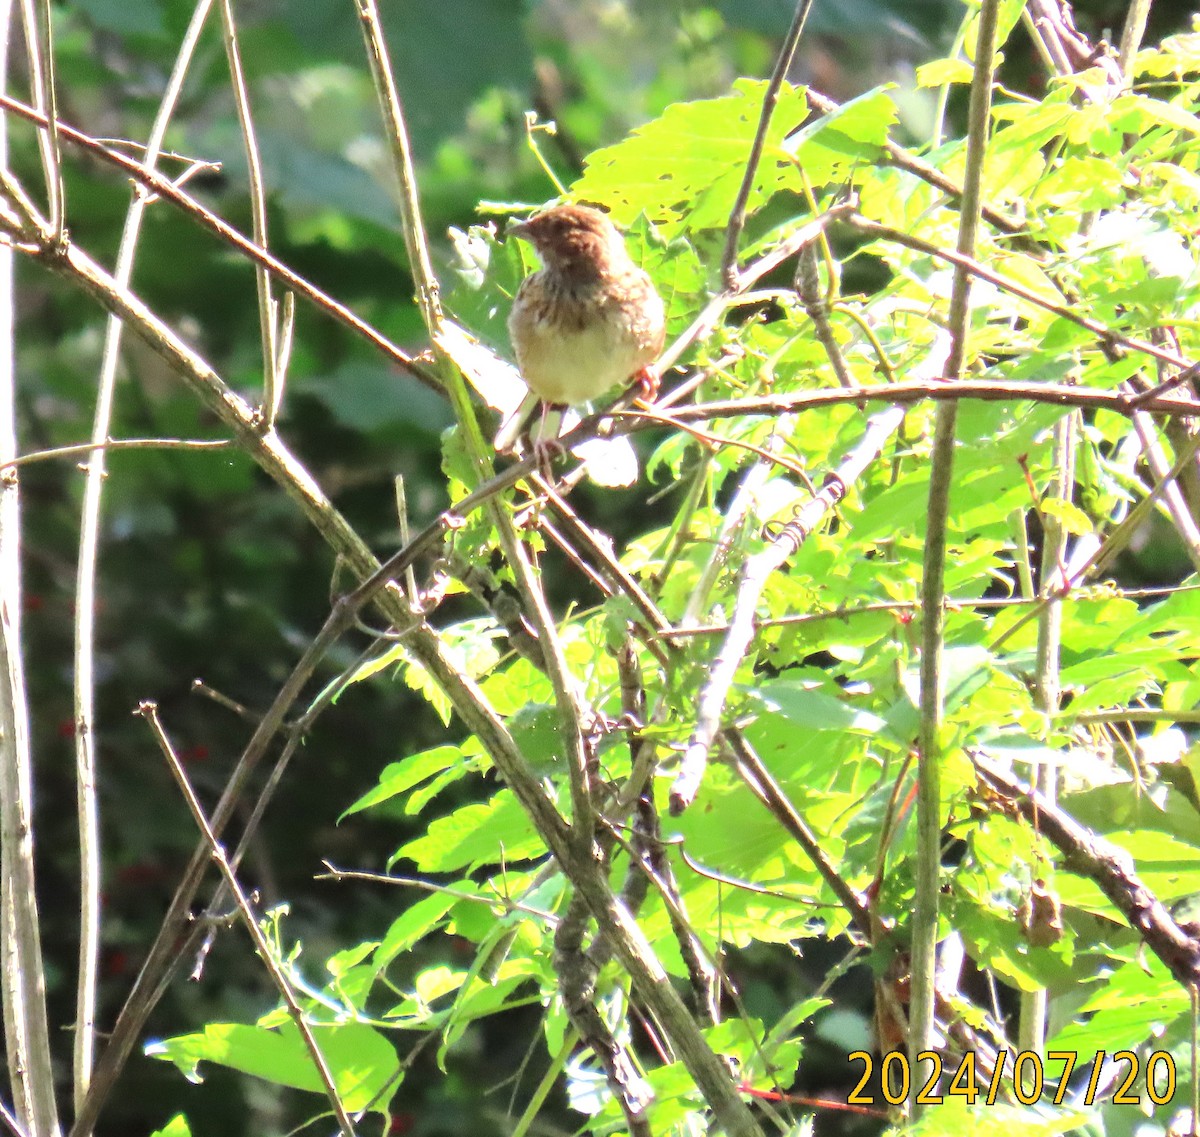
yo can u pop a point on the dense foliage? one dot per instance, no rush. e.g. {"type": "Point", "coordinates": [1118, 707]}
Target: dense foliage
{"type": "Point", "coordinates": [677, 819]}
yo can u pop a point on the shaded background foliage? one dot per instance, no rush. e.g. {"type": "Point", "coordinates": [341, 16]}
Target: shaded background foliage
{"type": "Point", "coordinates": [206, 570]}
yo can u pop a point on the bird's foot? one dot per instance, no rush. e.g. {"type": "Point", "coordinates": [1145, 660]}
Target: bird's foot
{"type": "Point", "coordinates": [543, 439]}
{"type": "Point", "coordinates": [645, 385]}
{"type": "Point", "coordinates": [547, 451]}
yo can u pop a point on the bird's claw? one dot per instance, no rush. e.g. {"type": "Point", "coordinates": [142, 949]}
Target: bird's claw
{"type": "Point", "coordinates": [547, 451]}
{"type": "Point", "coordinates": [645, 384]}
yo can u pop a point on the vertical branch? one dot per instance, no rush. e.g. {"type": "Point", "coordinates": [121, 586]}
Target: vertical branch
{"type": "Point", "coordinates": [737, 216]}
{"type": "Point", "coordinates": [1131, 37]}
{"type": "Point", "coordinates": [39, 46]}
{"type": "Point", "coordinates": [85, 595]}
{"type": "Point", "coordinates": [26, 1034]}
{"type": "Point", "coordinates": [577, 973]}
{"type": "Point", "coordinates": [933, 585]}
{"type": "Point", "coordinates": [1031, 1028]}
{"type": "Point", "coordinates": [268, 310]}
{"type": "Point", "coordinates": [397, 135]}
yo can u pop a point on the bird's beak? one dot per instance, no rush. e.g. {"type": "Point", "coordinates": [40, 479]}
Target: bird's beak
{"type": "Point", "coordinates": [518, 229]}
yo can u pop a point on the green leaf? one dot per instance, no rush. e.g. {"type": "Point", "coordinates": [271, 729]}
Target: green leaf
{"type": "Point", "coordinates": [944, 71]}
{"type": "Point", "coordinates": [176, 1127]}
{"type": "Point", "coordinates": [1133, 1003]}
{"type": "Point", "coordinates": [808, 704]}
{"type": "Point", "coordinates": [691, 159]}
{"type": "Point", "coordinates": [417, 921]}
{"type": "Point", "coordinates": [483, 834]}
{"type": "Point", "coordinates": [362, 1062]}
{"type": "Point", "coordinates": [399, 777]}
{"type": "Point", "coordinates": [369, 397]}
{"type": "Point", "coordinates": [829, 146]}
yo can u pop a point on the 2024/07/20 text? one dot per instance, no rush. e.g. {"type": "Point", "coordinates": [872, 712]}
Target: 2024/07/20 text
{"type": "Point", "coordinates": [1027, 1077]}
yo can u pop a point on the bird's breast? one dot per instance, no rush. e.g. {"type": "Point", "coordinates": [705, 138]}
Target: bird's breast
{"type": "Point", "coordinates": [574, 345]}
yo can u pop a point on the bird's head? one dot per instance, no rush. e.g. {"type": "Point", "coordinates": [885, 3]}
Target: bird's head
{"type": "Point", "coordinates": [575, 240]}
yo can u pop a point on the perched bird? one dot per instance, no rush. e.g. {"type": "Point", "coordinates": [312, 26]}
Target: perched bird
{"type": "Point", "coordinates": [589, 320]}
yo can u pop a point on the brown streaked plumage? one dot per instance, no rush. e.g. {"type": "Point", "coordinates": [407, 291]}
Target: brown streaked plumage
{"type": "Point", "coordinates": [589, 320]}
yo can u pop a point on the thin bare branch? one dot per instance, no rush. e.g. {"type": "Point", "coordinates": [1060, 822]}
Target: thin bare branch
{"type": "Point", "coordinates": [397, 137]}
{"type": "Point", "coordinates": [577, 974]}
{"type": "Point", "coordinates": [984, 390]}
{"type": "Point", "coordinates": [82, 449]}
{"type": "Point", "coordinates": [149, 711]}
{"type": "Point", "coordinates": [85, 593]}
{"type": "Point", "coordinates": [1173, 497]}
{"type": "Point", "coordinates": [737, 215]}
{"type": "Point", "coordinates": [39, 48]}
{"type": "Point", "coordinates": [808, 285]}
{"type": "Point", "coordinates": [268, 308]}
{"type": "Point", "coordinates": [10, 1122]}
{"type": "Point", "coordinates": [22, 979]}
{"type": "Point", "coordinates": [1031, 1028]}
{"type": "Point", "coordinates": [768, 791]}
{"type": "Point", "coordinates": [1131, 36]}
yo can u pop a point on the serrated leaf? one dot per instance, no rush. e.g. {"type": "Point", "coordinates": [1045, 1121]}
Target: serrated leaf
{"type": "Point", "coordinates": [691, 159]}
{"type": "Point", "coordinates": [491, 833]}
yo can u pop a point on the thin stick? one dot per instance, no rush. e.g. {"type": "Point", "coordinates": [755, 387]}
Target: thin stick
{"type": "Point", "coordinates": [1173, 497]}
{"type": "Point", "coordinates": [10, 1121]}
{"type": "Point", "coordinates": [22, 977]}
{"type": "Point", "coordinates": [769, 792]}
{"type": "Point", "coordinates": [111, 444]}
{"type": "Point", "coordinates": [149, 711]}
{"type": "Point", "coordinates": [397, 137]}
{"type": "Point", "coordinates": [268, 310]}
{"type": "Point", "coordinates": [933, 583]}
{"type": "Point", "coordinates": [953, 604]}
{"type": "Point", "coordinates": [938, 390]}
{"type": "Point", "coordinates": [817, 306]}
{"type": "Point", "coordinates": [1131, 36]}
{"type": "Point", "coordinates": [1031, 1023]}
{"type": "Point", "coordinates": [39, 47]}
{"type": "Point", "coordinates": [85, 592]}
{"type": "Point", "coordinates": [737, 215]}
